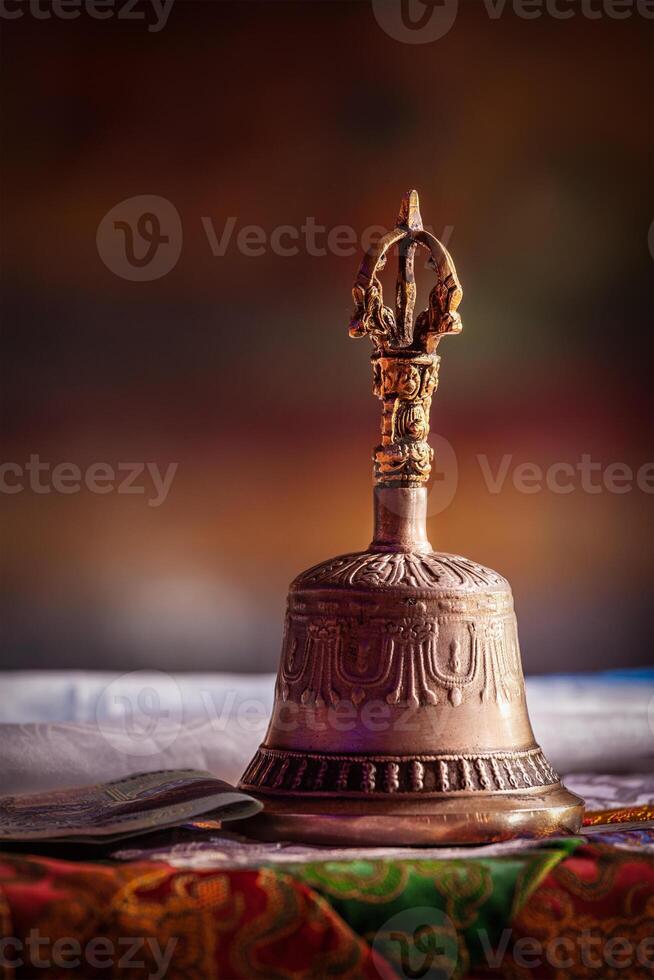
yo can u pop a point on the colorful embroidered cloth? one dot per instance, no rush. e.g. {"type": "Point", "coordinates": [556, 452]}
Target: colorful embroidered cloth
{"type": "Point", "coordinates": [203, 904]}
{"type": "Point", "coordinates": [565, 908]}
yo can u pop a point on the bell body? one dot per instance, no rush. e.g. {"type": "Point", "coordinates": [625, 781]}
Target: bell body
{"type": "Point", "coordinates": [400, 714]}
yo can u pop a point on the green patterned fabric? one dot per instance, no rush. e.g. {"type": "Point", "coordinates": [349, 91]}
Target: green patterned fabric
{"type": "Point", "coordinates": [424, 915]}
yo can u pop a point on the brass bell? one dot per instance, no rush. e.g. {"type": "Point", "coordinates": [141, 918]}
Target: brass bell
{"type": "Point", "coordinates": [400, 714]}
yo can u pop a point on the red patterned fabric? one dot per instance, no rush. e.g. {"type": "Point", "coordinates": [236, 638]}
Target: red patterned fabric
{"type": "Point", "coordinates": [235, 924]}
{"type": "Point", "coordinates": [592, 916]}
{"type": "Point", "coordinates": [588, 912]}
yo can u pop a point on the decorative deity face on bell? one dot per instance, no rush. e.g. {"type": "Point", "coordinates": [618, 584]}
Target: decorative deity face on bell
{"type": "Point", "coordinates": [411, 421]}
{"type": "Point", "coordinates": [407, 383]}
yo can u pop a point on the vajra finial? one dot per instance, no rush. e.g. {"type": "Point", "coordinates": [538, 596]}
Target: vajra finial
{"type": "Point", "coordinates": [391, 330]}
{"type": "Point", "coordinates": [405, 360]}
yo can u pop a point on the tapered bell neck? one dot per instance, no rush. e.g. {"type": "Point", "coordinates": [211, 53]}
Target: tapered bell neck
{"type": "Point", "coordinates": [400, 519]}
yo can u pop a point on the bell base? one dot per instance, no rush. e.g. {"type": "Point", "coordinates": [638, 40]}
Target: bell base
{"type": "Point", "coordinates": [463, 819]}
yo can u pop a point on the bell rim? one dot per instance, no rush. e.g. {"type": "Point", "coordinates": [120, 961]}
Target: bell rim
{"type": "Point", "coordinates": [461, 819]}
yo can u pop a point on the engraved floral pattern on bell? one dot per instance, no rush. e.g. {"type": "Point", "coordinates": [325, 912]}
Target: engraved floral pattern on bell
{"type": "Point", "coordinates": [414, 655]}
{"type": "Point", "coordinates": [401, 570]}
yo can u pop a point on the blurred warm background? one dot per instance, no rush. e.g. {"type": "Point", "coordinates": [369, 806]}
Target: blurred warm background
{"type": "Point", "coordinates": [530, 143]}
